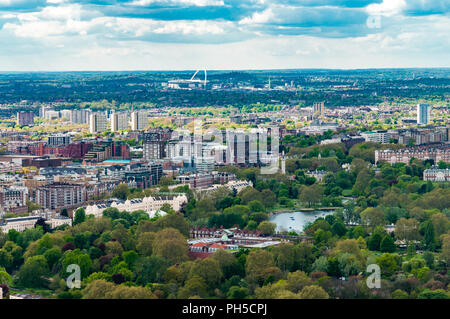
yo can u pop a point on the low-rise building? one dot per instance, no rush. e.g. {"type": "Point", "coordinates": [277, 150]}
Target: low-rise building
{"type": "Point", "coordinates": [147, 204]}
{"type": "Point", "coordinates": [21, 224]}
{"type": "Point", "coordinates": [380, 136]}
{"type": "Point", "coordinates": [438, 152]}
{"type": "Point", "coordinates": [435, 174]}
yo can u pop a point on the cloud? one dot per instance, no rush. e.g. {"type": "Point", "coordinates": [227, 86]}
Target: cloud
{"type": "Point", "coordinates": [197, 3]}
{"type": "Point", "coordinates": [427, 7]}
{"type": "Point", "coordinates": [275, 33]}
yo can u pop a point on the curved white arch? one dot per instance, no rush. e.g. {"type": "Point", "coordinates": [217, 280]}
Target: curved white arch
{"type": "Point", "coordinates": [204, 81]}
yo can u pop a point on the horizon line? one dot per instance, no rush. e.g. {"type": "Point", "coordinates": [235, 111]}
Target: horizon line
{"type": "Point", "coordinates": [221, 70]}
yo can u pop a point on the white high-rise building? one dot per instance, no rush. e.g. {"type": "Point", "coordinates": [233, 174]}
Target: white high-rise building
{"type": "Point", "coordinates": [423, 113]}
{"type": "Point", "coordinates": [97, 122]}
{"type": "Point", "coordinates": [119, 121]}
{"type": "Point", "coordinates": [139, 120]}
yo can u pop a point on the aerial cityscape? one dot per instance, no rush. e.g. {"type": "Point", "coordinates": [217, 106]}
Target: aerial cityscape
{"type": "Point", "coordinates": [250, 179]}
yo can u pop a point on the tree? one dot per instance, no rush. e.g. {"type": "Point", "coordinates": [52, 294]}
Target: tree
{"type": "Point", "coordinates": [372, 217]}
{"type": "Point", "coordinates": [76, 257]}
{"type": "Point", "coordinates": [34, 273]}
{"type": "Point", "coordinates": [313, 292]}
{"type": "Point", "coordinates": [114, 248]}
{"type": "Point", "coordinates": [387, 244]}
{"type": "Point", "coordinates": [311, 194]}
{"type": "Point", "coordinates": [446, 248]}
{"type": "Point", "coordinates": [258, 261]}
{"type": "Point", "coordinates": [236, 292]}
{"type": "Point", "coordinates": [145, 243]}
{"type": "Point", "coordinates": [362, 182]}
{"type": "Point", "coordinates": [296, 281]}
{"type": "Point", "coordinates": [358, 165]}
{"type": "Point", "coordinates": [429, 235]}
{"type": "Point", "coordinates": [338, 228]}
{"type": "Point", "coordinates": [52, 256]}
{"type": "Point", "coordinates": [429, 259]}
{"type": "Point", "coordinates": [267, 228]}
{"type": "Point", "coordinates": [175, 220]}
{"type": "Point", "coordinates": [256, 206]}
{"type": "Point", "coordinates": [124, 292]}
{"type": "Point", "coordinates": [389, 263]}
{"type": "Point", "coordinates": [433, 294]}
{"type": "Point", "coordinates": [208, 269]}
{"type": "Point", "coordinates": [195, 286]}
{"type": "Point", "coordinates": [284, 255]}
{"type": "Point", "coordinates": [130, 257]}
{"type": "Point", "coordinates": [407, 229]}
{"type": "Point", "coordinates": [80, 216]}
{"type": "Point", "coordinates": [151, 270]}
{"type": "Point", "coordinates": [269, 199]}
{"type": "Point", "coordinates": [350, 246]}
{"type": "Point", "coordinates": [5, 278]}
{"type": "Point", "coordinates": [171, 245]}
{"type": "Point", "coordinates": [249, 194]}
{"type": "Point", "coordinates": [400, 294]}
{"type": "Point", "coordinates": [228, 263]}
{"type": "Point", "coordinates": [441, 224]}
{"type": "Point", "coordinates": [121, 191]}
{"type": "Point", "coordinates": [41, 223]}
{"type": "Point", "coordinates": [374, 242]}
{"type": "Point", "coordinates": [98, 289]}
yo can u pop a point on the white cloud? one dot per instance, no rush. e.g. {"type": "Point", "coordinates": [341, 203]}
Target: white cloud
{"type": "Point", "coordinates": [259, 17]}
{"type": "Point", "coordinates": [386, 8]}
{"type": "Point", "coordinates": [198, 3]}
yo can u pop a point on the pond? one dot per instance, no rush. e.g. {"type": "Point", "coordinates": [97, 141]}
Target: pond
{"type": "Point", "coordinates": [295, 221]}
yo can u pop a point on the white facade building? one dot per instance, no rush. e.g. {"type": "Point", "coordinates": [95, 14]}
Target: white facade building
{"type": "Point", "coordinates": [147, 204]}
{"type": "Point", "coordinates": [97, 122]}
{"type": "Point", "coordinates": [381, 136]}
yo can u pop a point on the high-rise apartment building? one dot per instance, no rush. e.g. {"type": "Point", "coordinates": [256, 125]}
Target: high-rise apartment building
{"type": "Point", "coordinates": [423, 114]}
{"type": "Point", "coordinates": [80, 116]}
{"type": "Point", "coordinates": [139, 120]}
{"type": "Point", "coordinates": [97, 122]}
{"type": "Point", "coordinates": [25, 118]}
{"type": "Point", "coordinates": [153, 146]}
{"type": "Point", "coordinates": [319, 108]}
{"type": "Point", "coordinates": [119, 121]}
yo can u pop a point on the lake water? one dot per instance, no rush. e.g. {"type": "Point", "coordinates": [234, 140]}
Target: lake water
{"type": "Point", "coordinates": [295, 221]}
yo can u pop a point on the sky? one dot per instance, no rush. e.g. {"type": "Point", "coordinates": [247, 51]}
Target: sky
{"type": "Point", "coordinates": [76, 35]}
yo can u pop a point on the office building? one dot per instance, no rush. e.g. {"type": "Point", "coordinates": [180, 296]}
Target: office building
{"type": "Point", "coordinates": [58, 140]}
{"type": "Point", "coordinates": [144, 176]}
